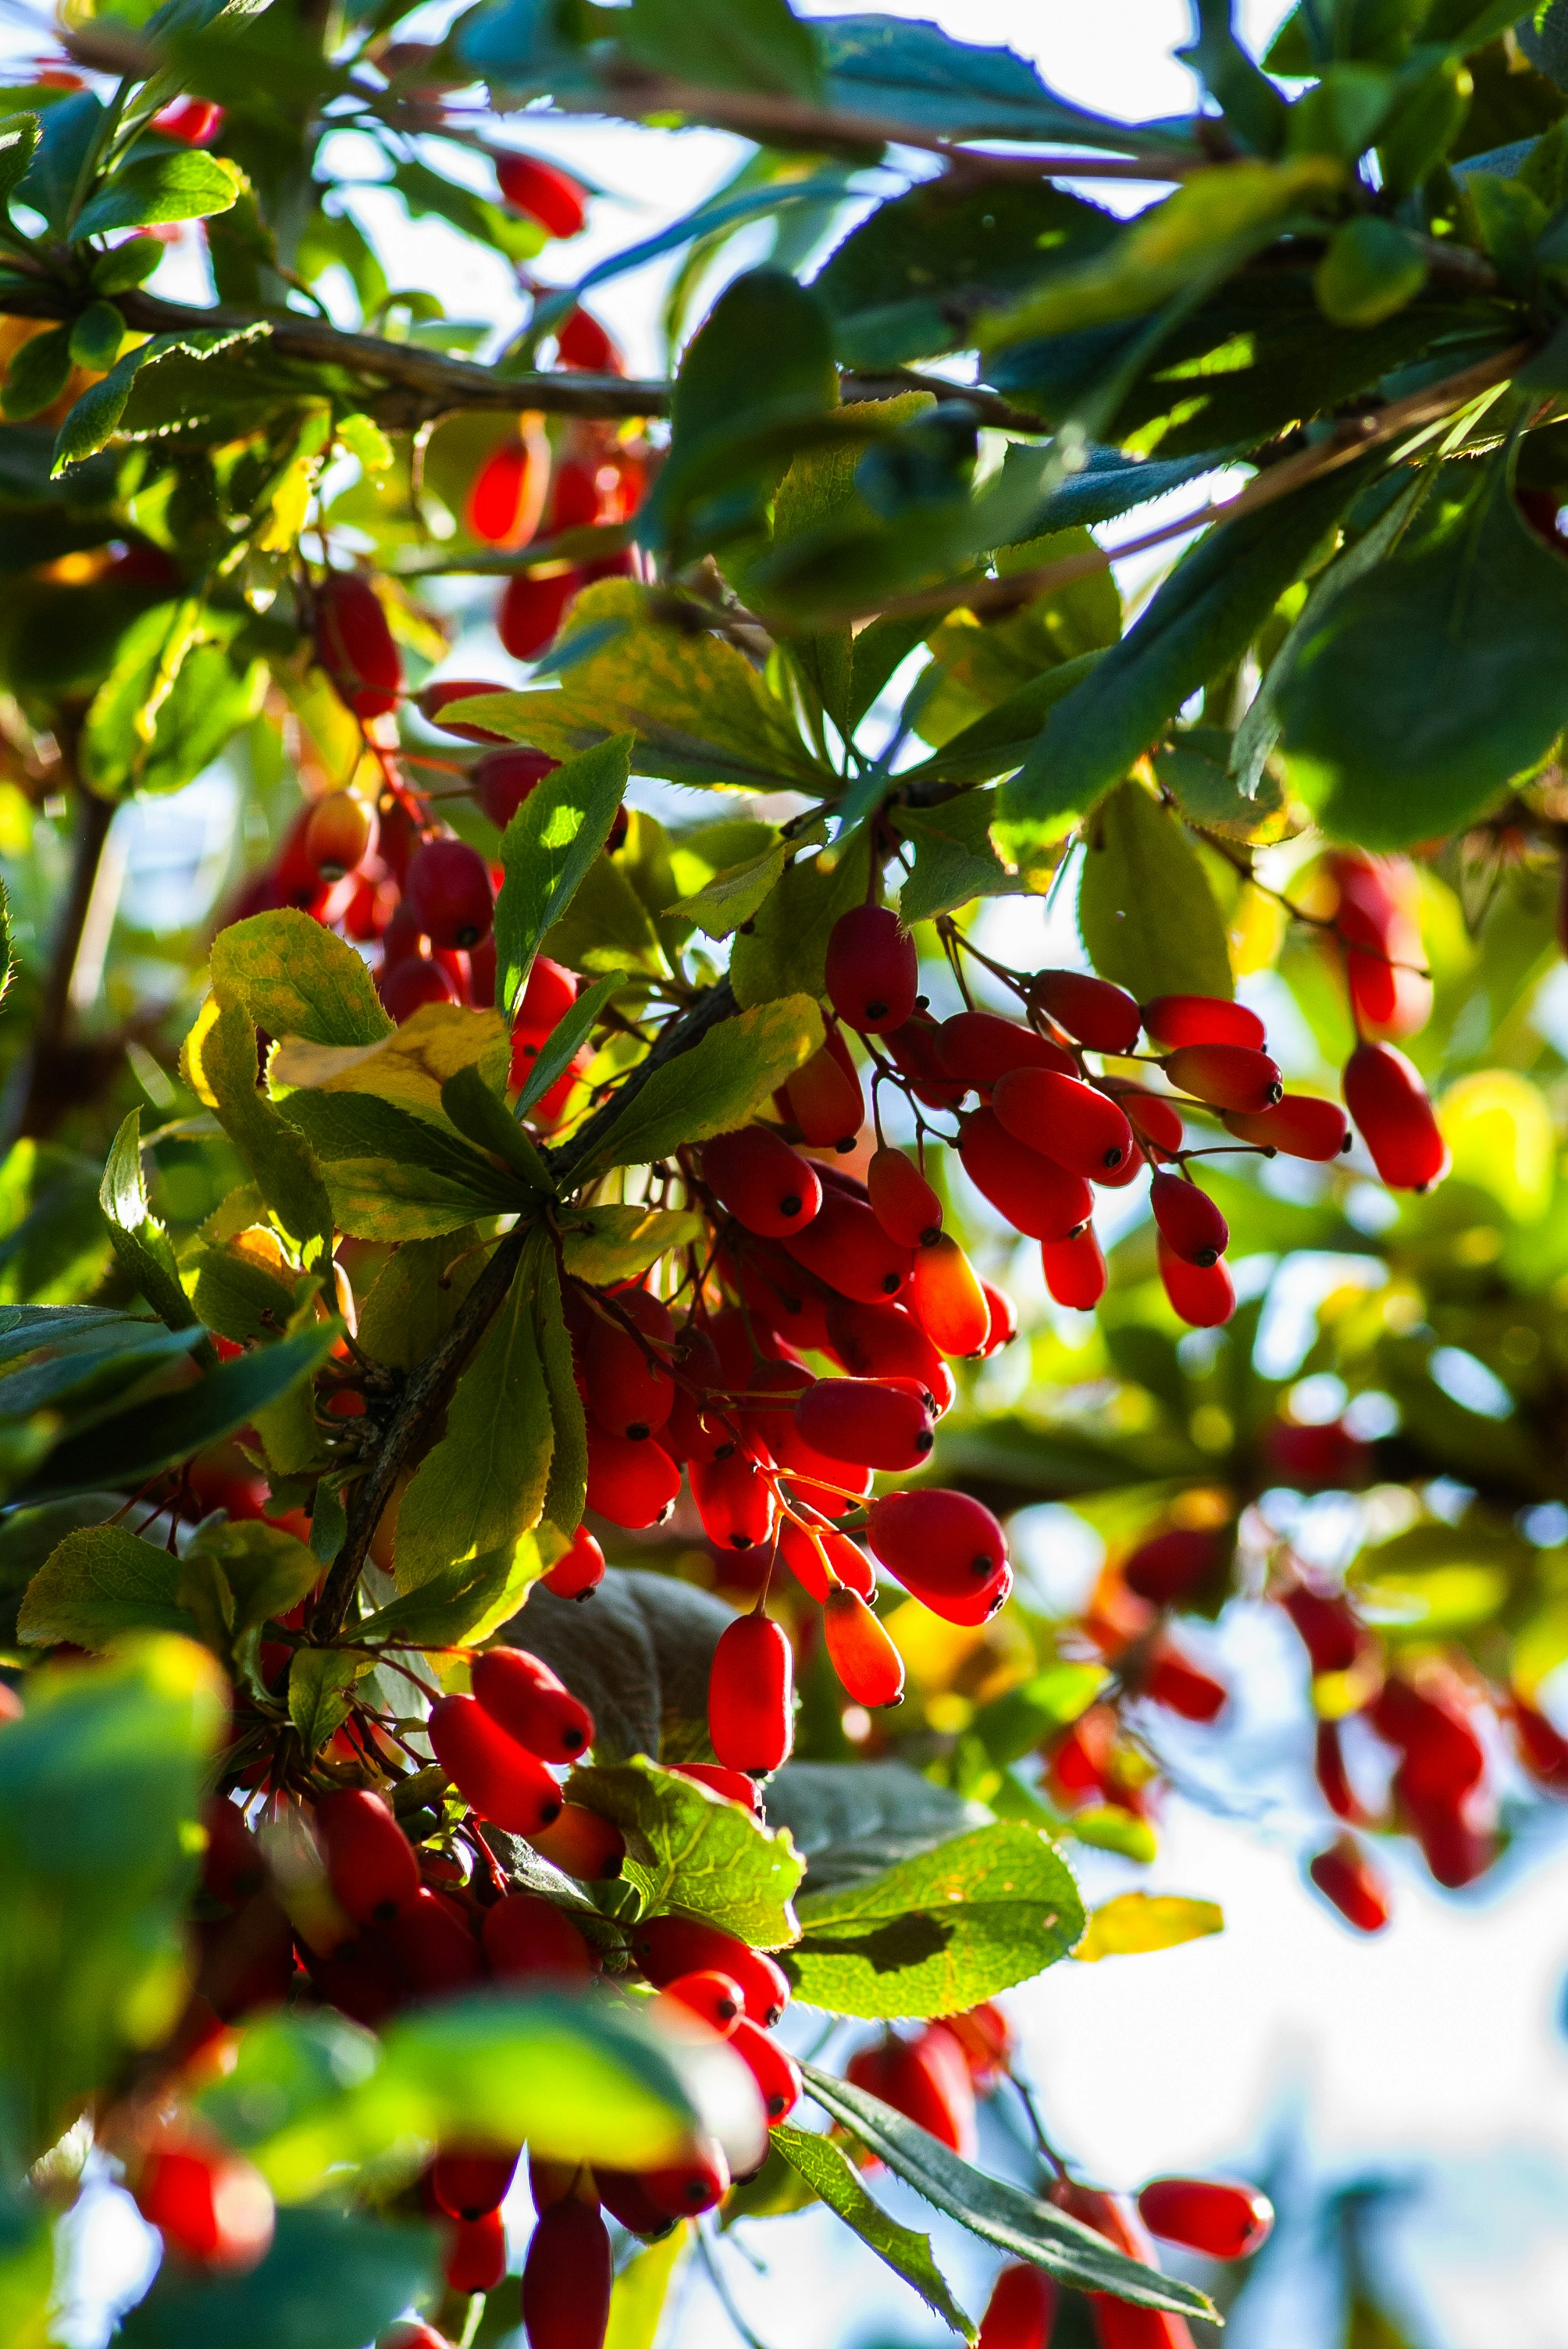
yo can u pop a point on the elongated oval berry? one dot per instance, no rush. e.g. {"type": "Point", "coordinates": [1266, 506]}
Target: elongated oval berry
{"type": "Point", "coordinates": [733, 1786]}
{"type": "Point", "coordinates": [718, 1998]}
{"type": "Point", "coordinates": [470, 2184]}
{"type": "Point", "coordinates": [1170, 1566]}
{"type": "Point", "coordinates": [340, 834]}
{"type": "Point", "coordinates": [1151, 1117]}
{"type": "Point", "coordinates": [370, 1863]}
{"type": "Point", "coordinates": [869, 1666]}
{"type": "Point", "coordinates": [902, 1201]}
{"type": "Point", "coordinates": [580, 1572]}
{"type": "Point", "coordinates": [544, 191]}
{"type": "Point", "coordinates": [687, 2189]}
{"type": "Point", "coordinates": [1176, 1020]}
{"type": "Point", "coordinates": [1301, 1125]}
{"type": "Point", "coordinates": [1173, 1681]}
{"type": "Point", "coordinates": [949, 1298]}
{"type": "Point", "coordinates": [532, 609]}
{"type": "Point", "coordinates": [751, 1695]}
{"type": "Point", "coordinates": [582, 1843]}
{"type": "Point", "coordinates": [777, 2075]}
{"type": "Point", "coordinates": [1078, 1126]}
{"type": "Point", "coordinates": [1330, 1632]}
{"type": "Point", "coordinates": [502, 780]}
{"type": "Point", "coordinates": [430, 1947]}
{"type": "Point", "coordinates": [625, 2197]}
{"type": "Point", "coordinates": [1346, 1876]}
{"type": "Point", "coordinates": [1389, 1102]}
{"type": "Point", "coordinates": [1220, 2217]}
{"type": "Point", "coordinates": [1203, 1295]}
{"type": "Point", "coordinates": [1541, 1747]}
{"type": "Point", "coordinates": [1443, 1757]}
{"type": "Point", "coordinates": [415, 980]}
{"type": "Point", "coordinates": [525, 1935]}
{"type": "Point", "coordinates": [926, 2079]}
{"type": "Point", "coordinates": [981, 1048]}
{"type": "Point", "coordinates": [355, 645]}
{"type": "Point", "coordinates": [211, 2206]}
{"type": "Point", "coordinates": [1003, 1319]}
{"type": "Point", "coordinates": [1038, 1198]}
{"type": "Point", "coordinates": [878, 1341]}
{"type": "Point", "coordinates": [493, 1773]}
{"type": "Point", "coordinates": [549, 996]}
{"type": "Point", "coordinates": [946, 1548]}
{"type": "Point", "coordinates": [872, 972]}
{"type": "Point", "coordinates": [625, 1376]}
{"type": "Point", "coordinates": [816, 1554]}
{"type": "Point", "coordinates": [667, 1946]}
{"type": "Point", "coordinates": [736, 1501]}
{"type": "Point", "coordinates": [846, 1246]}
{"type": "Point", "coordinates": [871, 1421]}
{"type": "Point", "coordinates": [1123, 2325]}
{"type": "Point", "coordinates": [766, 1185]}
{"type": "Point", "coordinates": [504, 497]}
{"type": "Point", "coordinates": [1021, 2310]}
{"type": "Point", "coordinates": [1092, 1011]}
{"type": "Point", "coordinates": [1226, 1076]}
{"type": "Point", "coordinates": [532, 1705]}
{"type": "Point", "coordinates": [824, 1096]}
{"type": "Point", "coordinates": [583, 342]}
{"type": "Point", "coordinates": [448, 890]}
{"type": "Point", "coordinates": [192, 121]}
{"type": "Point", "coordinates": [234, 1866]}
{"type": "Point", "coordinates": [567, 2278]}
{"type": "Point", "coordinates": [1190, 1224]}
{"type": "Point", "coordinates": [1075, 1269]}
{"type": "Point", "coordinates": [632, 1485]}
{"type": "Point", "coordinates": [1378, 922]}
{"type": "Point", "coordinates": [1328, 1767]}
{"type": "Point", "coordinates": [434, 701]}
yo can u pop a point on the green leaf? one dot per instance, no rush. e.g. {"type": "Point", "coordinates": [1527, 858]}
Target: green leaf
{"type": "Point", "coordinates": [940, 1932]}
{"type": "Point", "coordinates": [640, 2288]}
{"type": "Point", "coordinates": [96, 335]}
{"type": "Point", "coordinates": [1147, 914]}
{"type": "Point", "coordinates": [96, 1585]}
{"type": "Point", "coordinates": [785, 951]}
{"type": "Point", "coordinates": [82, 1378]}
{"type": "Point", "coordinates": [192, 185]}
{"type": "Point", "coordinates": [727, 45]}
{"type": "Point", "coordinates": [855, 1820]}
{"type": "Point", "coordinates": [608, 1245]}
{"type": "Point", "coordinates": [474, 1110]}
{"type": "Point", "coordinates": [691, 1849]}
{"type": "Point", "coordinates": [69, 130]}
{"type": "Point", "coordinates": [833, 2178]}
{"type": "Point", "coordinates": [242, 1300]}
{"type": "Point", "coordinates": [426, 192]}
{"type": "Point", "coordinates": [407, 1066]}
{"type": "Point", "coordinates": [1002, 739]}
{"type": "Point", "coordinates": [719, 1084]}
{"type": "Point", "coordinates": [463, 1603]}
{"type": "Point", "coordinates": [546, 851]}
{"type": "Point", "coordinates": [639, 1655]}
{"type": "Point", "coordinates": [1200, 620]}
{"type": "Point", "coordinates": [1002, 2215]}
{"type": "Point", "coordinates": [1138, 1922]}
{"type": "Point", "coordinates": [94, 420]}
{"type": "Point", "coordinates": [219, 1060]}
{"type": "Point", "coordinates": [394, 1176]}
{"type": "Point", "coordinates": [416, 1296]}
{"type": "Point", "coordinates": [329, 2281]}
{"type": "Point", "coordinates": [914, 73]}
{"type": "Point", "coordinates": [18, 145]}
{"type": "Point", "coordinates": [484, 1483]}
{"type": "Point", "coordinates": [1434, 680]}
{"type": "Point", "coordinates": [559, 1050]}
{"type": "Point", "coordinates": [36, 374]}
{"type": "Point", "coordinates": [172, 702]}
{"type": "Point", "coordinates": [700, 711]}
{"type": "Point", "coordinates": [132, 1445]}
{"type": "Point", "coordinates": [319, 1682]}
{"type": "Point", "coordinates": [1371, 269]}
{"type": "Point", "coordinates": [100, 1788]}
{"type": "Point", "coordinates": [1022, 1718]}
{"type": "Point", "coordinates": [27, 1537]}
{"type": "Point", "coordinates": [954, 858]}
{"type": "Point", "coordinates": [297, 979]}
{"type": "Point", "coordinates": [566, 1494]}
{"type": "Point", "coordinates": [266, 1569]}
{"type": "Point", "coordinates": [140, 1242]}
{"type": "Point", "coordinates": [27, 2271]}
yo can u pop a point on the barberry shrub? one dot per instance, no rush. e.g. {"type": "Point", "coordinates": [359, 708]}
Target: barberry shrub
{"type": "Point", "coordinates": [544, 1402]}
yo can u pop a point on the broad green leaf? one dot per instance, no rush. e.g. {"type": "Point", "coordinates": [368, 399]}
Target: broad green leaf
{"type": "Point", "coordinates": [700, 711]}
{"type": "Point", "coordinates": [605, 1245]}
{"type": "Point", "coordinates": [36, 374]}
{"type": "Point", "coordinates": [1106, 1827]}
{"type": "Point", "coordinates": [734, 893]}
{"type": "Point", "coordinates": [219, 1059]}
{"type": "Point", "coordinates": [54, 1241]}
{"type": "Point", "coordinates": [560, 1049]}
{"type": "Point", "coordinates": [1022, 1718]}
{"type": "Point", "coordinates": [406, 1065]}
{"type": "Point", "coordinates": [80, 1379]}
{"type": "Point", "coordinates": [461, 1605]}
{"type": "Point", "coordinates": [319, 1682]}
{"type": "Point", "coordinates": [329, 2279]}
{"type": "Point", "coordinates": [1200, 620]}
{"type": "Point", "coordinates": [416, 1296]}
{"type": "Point", "coordinates": [100, 1788]}
{"type": "Point", "coordinates": [691, 1849]}
{"type": "Point", "coordinates": [1434, 680]}
{"type": "Point", "coordinates": [833, 2179]}
{"type": "Point", "coordinates": [784, 951]}
{"type": "Point", "coordinates": [1196, 769]}
{"type": "Point", "coordinates": [266, 1569]}
{"type": "Point", "coordinates": [192, 185]}
{"type": "Point", "coordinates": [719, 1084]}
{"type": "Point", "coordinates": [94, 420]}
{"type": "Point", "coordinates": [139, 1240]}
{"type": "Point", "coordinates": [99, 1585]}
{"type": "Point", "coordinates": [172, 701]}
{"type": "Point", "coordinates": [18, 145]}
{"type": "Point", "coordinates": [1136, 1922]}
{"type": "Point", "coordinates": [914, 72]}
{"type": "Point", "coordinates": [391, 1175]}
{"type": "Point", "coordinates": [954, 858]}
{"type": "Point", "coordinates": [940, 1932]}
{"type": "Point", "coordinates": [1000, 2214]}
{"type": "Point", "coordinates": [1370, 269]}
{"type": "Point", "coordinates": [566, 1492]}
{"type": "Point", "coordinates": [547, 850]}
{"type": "Point", "coordinates": [29, 1537]}
{"type": "Point", "coordinates": [135, 1443]}
{"type": "Point", "coordinates": [639, 1655]}
{"type": "Point", "coordinates": [238, 1297]}
{"type": "Point", "coordinates": [297, 979]}
{"type": "Point", "coordinates": [858, 1819]}
{"type": "Point", "coordinates": [1146, 913]}
{"type": "Point", "coordinates": [69, 130]}
{"type": "Point", "coordinates": [484, 1483]}
{"type": "Point", "coordinates": [477, 1113]}
{"type": "Point", "coordinates": [1002, 739]}
{"type": "Point", "coordinates": [641, 2288]}
{"type": "Point", "coordinates": [727, 45]}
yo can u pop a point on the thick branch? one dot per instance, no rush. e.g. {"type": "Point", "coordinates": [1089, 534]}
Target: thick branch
{"type": "Point", "coordinates": [429, 1386]}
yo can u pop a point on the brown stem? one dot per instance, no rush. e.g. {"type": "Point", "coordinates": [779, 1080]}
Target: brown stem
{"type": "Point", "coordinates": [429, 1385]}
{"type": "Point", "coordinates": [37, 1071]}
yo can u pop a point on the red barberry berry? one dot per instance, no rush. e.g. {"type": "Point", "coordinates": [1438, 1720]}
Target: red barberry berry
{"type": "Point", "coordinates": [448, 890]}
{"type": "Point", "coordinates": [1218, 2217]}
{"type": "Point", "coordinates": [1226, 1076]}
{"type": "Point", "coordinates": [1172, 1020]}
{"type": "Point", "coordinates": [902, 1201]}
{"type": "Point", "coordinates": [544, 192]}
{"type": "Point", "coordinates": [370, 1863]}
{"type": "Point", "coordinates": [1190, 1225]}
{"type": "Point", "coordinates": [766, 1185]}
{"type": "Point", "coordinates": [667, 1946]}
{"type": "Point", "coordinates": [869, 1666]}
{"type": "Point", "coordinates": [1389, 1102]}
{"type": "Point", "coordinates": [1075, 1269]}
{"type": "Point", "coordinates": [872, 972]}
{"type": "Point", "coordinates": [498, 1777]}
{"type": "Point", "coordinates": [1062, 1118]}
{"type": "Point", "coordinates": [527, 1936]}
{"type": "Point", "coordinates": [354, 644]}
{"type": "Point", "coordinates": [580, 1571]}
{"type": "Point", "coordinates": [1346, 1876]}
{"type": "Point", "coordinates": [750, 1695]}
{"type": "Point", "coordinates": [948, 1298]}
{"type": "Point", "coordinates": [946, 1548]}
{"type": "Point", "coordinates": [1092, 1011]}
{"type": "Point", "coordinates": [532, 1705]}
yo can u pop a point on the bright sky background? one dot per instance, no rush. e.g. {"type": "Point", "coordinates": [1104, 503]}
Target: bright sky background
{"type": "Point", "coordinates": [1434, 2054]}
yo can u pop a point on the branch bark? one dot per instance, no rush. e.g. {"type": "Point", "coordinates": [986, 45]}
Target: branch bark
{"type": "Point", "coordinates": [429, 1386]}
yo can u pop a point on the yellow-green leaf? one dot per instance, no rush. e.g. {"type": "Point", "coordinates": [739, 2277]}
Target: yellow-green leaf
{"type": "Point", "coordinates": [603, 1244]}
{"type": "Point", "coordinates": [408, 1066]}
{"type": "Point", "coordinates": [1136, 1922]}
{"type": "Point", "coordinates": [719, 1084]}
{"type": "Point", "coordinates": [297, 979]}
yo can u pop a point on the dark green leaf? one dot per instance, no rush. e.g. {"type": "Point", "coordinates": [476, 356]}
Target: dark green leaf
{"type": "Point", "coordinates": [139, 1240]}
{"type": "Point", "coordinates": [546, 852]}
{"type": "Point", "coordinates": [188, 186]}
{"type": "Point", "coordinates": [1002, 739]}
{"type": "Point", "coordinates": [725, 45]}
{"type": "Point", "coordinates": [999, 2214]}
{"type": "Point", "coordinates": [462, 1603]}
{"type": "Point", "coordinates": [36, 374]}
{"type": "Point", "coordinates": [954, 858]}
{"type": "Point", "coordinates": [329, 2282]}
{"type": "Point", "coordinates": [425, 191]}
{"type": "Point", "coordinates": [785, 950]}
{"type": "Point", "coordinates": [27, 1536]}
{"type": "Point", "coordinates": [475, 1110]}
{"type": "Point", "coordinates": [81, 1377]}
{"type": "Point", "coordinates": [691, 1849]}
{"type": "Point", "coordinates": [565, 1495]}
{"type": "Point", "coordinates": [99, 1584]}
{"type": "Point", "coordinates": [833, 2179]}
{"type": "Point", "coordinates": [855, 1820]}
{"type": "Point", "coordinates": [68, 130]}
{"type": "Point", "coordinates": [394, 1177]}
{"type": "Point", "coordinates": [719, 1084]}
{"type": "Point", "coordinates": [319, 1682]}
{"type": "Point", "coordinates": [172, 702]}
{"type": "Point", "coordinates": [914, 73]}
{"type": "Point", "coordinates": [637, 1654]}
{"type": "Point", "coordinates": [18, 144]}
{"type": "Point", "coordinates": [557, 1054]}
{"type": "Point", "coordinates": [1147, 914]}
